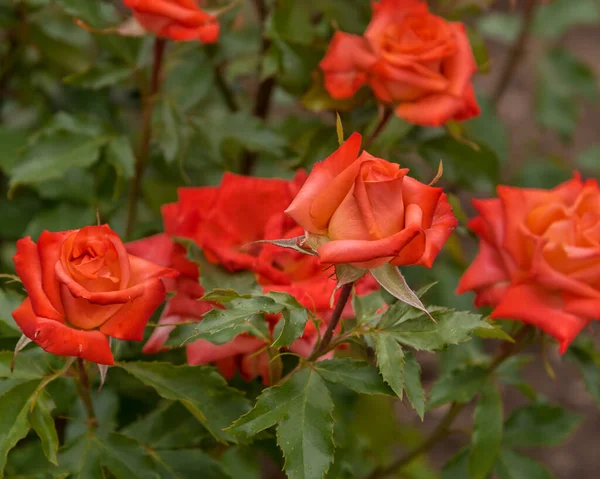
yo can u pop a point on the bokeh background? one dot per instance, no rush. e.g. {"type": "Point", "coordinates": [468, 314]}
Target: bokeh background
{"type": "Point", "coordinates": [69, 122]}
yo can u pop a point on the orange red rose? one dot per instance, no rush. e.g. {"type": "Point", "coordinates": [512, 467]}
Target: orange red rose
{"type": "Point", "coordinates": [416, 61]}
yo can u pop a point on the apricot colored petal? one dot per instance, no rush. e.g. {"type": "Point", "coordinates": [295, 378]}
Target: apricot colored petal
{"type": "Point", "coordinates": [346, 54]}
{"type": "Point", "coordinates": [131, 319]}
{"type": "Point", "coordinates": [542, 309]}
{"type": "Point", "coordinates": [320, 180]}
{"type": "Point", "coordinates": [347, 222]}
{"type": "Point", "coordinates": [551, 278]}
{"type": "Point", "coordinates": [470, 108]}
{"type": "Point", "coordinates": [424, 83]}
{"type": "Point", "coordinates": [29, 269]}
{"type": "Point", "coordinates": [386, 12]}
{"type": "Point", "coordinates": [202, 351]}
{"type": "Point", "coordinates": [49, 247]}
{"type": "Point", "coordinates": [413, 252]}
{"type": "Point", "coordinates": [358, 251]}
{"type": "Point", "coordinates": [432, 110]}
{"type": "Point", "coordinates": [381, 204]}
{"type": "Point", "coordinates": [424, 196]}
{"type": "Point", "coordinates": [143, 270]}
{"type": "Point", "coordinates": [158, 249]}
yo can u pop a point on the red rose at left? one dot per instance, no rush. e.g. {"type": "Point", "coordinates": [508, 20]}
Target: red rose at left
{"type": "Point", "coordinates": [82, 287]}
{"type": "Point", "coordinates": [179, 20]}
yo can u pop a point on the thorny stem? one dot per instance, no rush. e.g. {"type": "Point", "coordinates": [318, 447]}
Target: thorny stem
{"type": "Point", "coordinates": [444, 427]}
{"type": "Point", "coordinates": [262, 103]}
{"type": "Point", "coordinates": [83, 387]}
{"type": "Point", "coordinates": [141, 162]}
{"type": "Point", "coordinates": [516, 52]}
{"type": "Point", "coordinates": [323, 345]}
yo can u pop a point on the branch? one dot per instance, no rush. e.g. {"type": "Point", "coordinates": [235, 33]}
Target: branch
{"type": "Point", "coordinates": [144, 150]}
{"type": "Point", "coordinates": [516, 52]}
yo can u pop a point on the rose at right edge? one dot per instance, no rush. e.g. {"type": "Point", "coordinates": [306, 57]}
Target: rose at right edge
{"type": "Point", "coordinates": [367, 212]}
{"type": "Point", "coordinates": [539, 257]}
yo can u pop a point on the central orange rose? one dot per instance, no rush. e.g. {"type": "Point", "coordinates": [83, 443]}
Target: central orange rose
{"type": "Point", "coordinates": [365, 211]}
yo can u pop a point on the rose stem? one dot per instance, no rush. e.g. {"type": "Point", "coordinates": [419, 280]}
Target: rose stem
{"type": "Point", "coordinates": [262, 103]}
{"type": "Point", "coordinates": [387, 114]}
{"type": "Point", "coordinates": [444, 426]}
{"type": "Point", "coordinates": [148, 100]}
{"type": "Point", "coordinates": [516, 52]}
{"type": "Point", "coordinates": [83, 387]}
{"type": "Point", "coordinates": [322, 346]}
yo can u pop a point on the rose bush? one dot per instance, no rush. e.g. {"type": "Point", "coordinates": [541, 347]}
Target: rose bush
{"type": "Point", "coordinates": [179, 20]}
{"type": "Point", "coordinates": [83, 286]}
{"type": "Point", "coordinates": [365, 211]}
{"type": "Point", "coordinates": [539, 257]}
{"type": "Point", "coordinates": [417, 62]}
{"type": "Point", "coordinates": [226, 222]}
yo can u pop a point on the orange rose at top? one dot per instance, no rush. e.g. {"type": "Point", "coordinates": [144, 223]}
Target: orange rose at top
{"type": "Point", "coordinates": [366, 211]}
{"type": "Point", "coordinates": [82, 287]}
{"type": "Point", "coordinates": [539, 257]}
{"type": "Point", "coordinates": [179, 20]}
{"type": "Point", "coordinates": [416, 61]}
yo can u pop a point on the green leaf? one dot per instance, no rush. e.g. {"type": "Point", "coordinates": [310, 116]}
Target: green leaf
{"type": "Point", "coordinates": [9, 301]}
{"type": "Point", "coordinates": [554, 19]}
{"type": "Point", "coordinates": [42, 422]}
{"type": "Point", "coordinates": [539, 425]}
{"type": "Point", "coordinates": [390, 278]}
{"type": "Point", "coordinates": [14, 407]}
{"type": "Point", "coordinates": [119, 153]}
{"type": "Point", "coordinates": [390, 361]}
{"type": "Point", "coordinates": [357, 375]}
{"type": "Point", "coordinates": [173, 417]}
{"type": "Point", "coordinates": [480, 51]}
{"type": "Point", "coordinates": [493, 331]}
{"type": "Point", "coordinates": [12, 141]}
{"type": "Point", "coordinates": [412, 383]}
{"type": "Point", "coordinates": [224, 295]}
{"type": "Point", "coordinates": [291, 20]}
{"type": "Point", "coordinates": [241, 462]}
{"type": "Point", "coordinates": [188, 464]}
{"type": "Point", "coordinates": [294, 320]}
{"type": "Point", "coordinates": [52, 157]}
{"type": "Point", "coordinates": [201, 389]}
{"type": "Point", "coordinates": [99, 76]}
{"type": "Point", "coordinates": [126, 458]}
{"type": "Point", "coordinates": [170, 130]}
{"type": "Point", "coordinates": [487, 432]}
{"type": "Point", "coordinates": [457, 466]}
{"type": "Point", "coordinates": [457, 386]}
{"type": "Point", "coordinates": [94, 13]}
{"type": "Point", "coordinates": [302, 407]}
{"type": "Point", "coordinates": [28, 365]}
{"type": "Point", "coordinates": [512, 465]}
{"type": "Point", "coordinates": [65, 216]}
{"type": "Point", "coordinates": [82, 457]}
{"type": "Point", "coordinates": [501, 27]}
{"type": "Point", "coordinates": [339, 128]}
{"type": "Point", "coordinates": [222, 325]}
{"type": "Point", "coordinates": [421, 333]}
{"type": "Point", "coordinates": [582, 352]}
{"type": "Point", "coordinates": [318, 99]}
{"type": "Point", "coordinates": [366, 307]}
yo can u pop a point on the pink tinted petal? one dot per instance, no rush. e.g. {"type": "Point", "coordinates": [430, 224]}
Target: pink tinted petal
{"type": "Point", "coordinates": [542, 309]}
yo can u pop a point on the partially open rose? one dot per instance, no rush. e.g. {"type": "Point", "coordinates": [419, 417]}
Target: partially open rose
{"type": "Point", "coordinates": [83, 286]}
{"type": "Point", "coordinates": [412, 59]}
{"type": "Point", "coordinates": [365, 211]}
{"type": "Point", "coordinates": [539, 257]}
{"type": "Point", "coordinates": [180, 20]}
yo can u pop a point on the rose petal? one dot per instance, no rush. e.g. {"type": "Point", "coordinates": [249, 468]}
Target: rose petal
{"type": "Point", "coordinates": [131, 319]}
{"type": "Point", "coordinates": [49, 248]}
{"type": "Point", "coordinates": [542, 309]}
{"type": "Point", "coordinates": [29, 269]}
{"type": "Point", "coordinates": [432, 110]}
{"type": "Point", "coordinates": [360, 251]}
{"type": "Point", "coordinates": [320, 179]}
{"type": "Point", "coordinates": [202, 351]}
